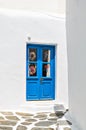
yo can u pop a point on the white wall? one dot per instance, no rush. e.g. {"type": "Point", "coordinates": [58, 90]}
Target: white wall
{"type": "Point", "coordinates": [76, 39]}
{"type": "Point", "coordinates": [15, 26]}
{"type": "Point", "coordinates": [48, 6]}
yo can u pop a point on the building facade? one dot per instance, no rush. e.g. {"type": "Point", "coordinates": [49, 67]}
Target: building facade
{"type": "Point", "coordinates": [46, 32]}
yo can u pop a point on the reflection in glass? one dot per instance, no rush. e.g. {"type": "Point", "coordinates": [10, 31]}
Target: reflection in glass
{"type": "Point", "coordinates": [46, 70]}
{"type": "Point", "coordinates": [32, 54]}
{"type": "Point", "coordinates": [46, 55]}
{"type": "Point", "coordinates": [32, 70]}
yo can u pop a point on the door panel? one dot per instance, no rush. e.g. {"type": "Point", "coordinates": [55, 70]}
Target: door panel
{"type": "Point", "coordinates": [46, 90]}
{"type": "Point", "coordinates": [32, 90]}
{"type": "Point", "coordinates": [40, 72]}
{"type": "Point", "coordinates": [47, 76]}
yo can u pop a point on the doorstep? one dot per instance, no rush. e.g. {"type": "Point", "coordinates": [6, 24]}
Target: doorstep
{"type": "Point", "coordinates": [40, 106]}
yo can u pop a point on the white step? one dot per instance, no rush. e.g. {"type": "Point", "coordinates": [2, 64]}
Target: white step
{"type": "Point", "coordinates": [39, 106]}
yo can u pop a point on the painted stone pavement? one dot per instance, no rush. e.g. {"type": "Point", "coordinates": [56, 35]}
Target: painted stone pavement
{"type": "Point", "coordinates": [30, 121]}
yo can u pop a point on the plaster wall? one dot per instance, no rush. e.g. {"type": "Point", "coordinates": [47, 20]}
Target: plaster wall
{"type": "Point", "coordinates": [76, 39]}
{"type": "Point", "coordinates": [15, 26]}
{"type": "Point", "coordinates": [47, 6]}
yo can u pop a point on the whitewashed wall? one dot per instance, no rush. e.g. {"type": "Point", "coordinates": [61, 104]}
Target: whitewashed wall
{"type": "Point", "coordinates": [15, 26]}
{"type": "Point", "coordinates": [47, 6]}
{"type": "Point", "coordinates": [76, 39]}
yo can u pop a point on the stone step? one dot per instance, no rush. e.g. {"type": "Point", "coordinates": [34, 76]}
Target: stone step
{"type": "Point", "coordinates": [45, 106]}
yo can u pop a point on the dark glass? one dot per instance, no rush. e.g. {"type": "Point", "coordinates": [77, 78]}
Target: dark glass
{"type": "Point", "coordinates": [46, 70]}
{"type": "Point", "coordinates": [32, 69]}
{"type": "Point", "coordinates": [32, 54]}
{"type": "Point", "coordinates": [46, 55]}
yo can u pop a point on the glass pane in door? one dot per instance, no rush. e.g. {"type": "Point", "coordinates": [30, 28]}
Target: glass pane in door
{"type": "Point", "coordinates": [32, 54]}
{"type": "Point", "coordinates": [32, 69]}
{"type": "Point", "coordinates": [46, 55]}
{"type": "Point", "coordinates": [46, 70]}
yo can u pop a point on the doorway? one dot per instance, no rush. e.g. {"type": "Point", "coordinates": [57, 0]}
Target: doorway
{"type": "Point", "coordinates": [40, 72]}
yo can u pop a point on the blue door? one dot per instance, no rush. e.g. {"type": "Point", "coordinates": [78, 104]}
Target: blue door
{"type": "Point", "coordinates": [40, 72]}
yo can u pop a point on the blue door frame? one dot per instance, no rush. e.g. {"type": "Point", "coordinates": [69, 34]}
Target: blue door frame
{"type": "Point", "coordinates": [40, 72]}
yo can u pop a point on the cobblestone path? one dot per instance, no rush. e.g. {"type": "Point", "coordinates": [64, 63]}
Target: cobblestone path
{"type": "Point", "coordinates": [30, 121]}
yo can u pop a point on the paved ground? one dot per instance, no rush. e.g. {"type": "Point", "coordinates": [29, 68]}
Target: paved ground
{"type": "Point", "coordinates": [30, 121]}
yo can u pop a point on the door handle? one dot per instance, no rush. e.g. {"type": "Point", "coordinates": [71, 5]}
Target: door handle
{"type": "Point", "coordinates": [41, 79]}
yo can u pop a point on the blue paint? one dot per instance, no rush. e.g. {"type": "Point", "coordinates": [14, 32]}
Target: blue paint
{"type": "Point", "coordinates": [37, 89]}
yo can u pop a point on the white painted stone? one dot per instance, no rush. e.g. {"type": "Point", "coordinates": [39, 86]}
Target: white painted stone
{"type": "Point", "coordinates": [15, 26]}
{"type": "Point", "coordinates": [76, 37]}
{"type": "Point", "coordinates": [45, 6]}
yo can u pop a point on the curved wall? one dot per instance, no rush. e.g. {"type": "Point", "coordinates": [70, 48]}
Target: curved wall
{"type": "Point", "coordinates": [76, 42]}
